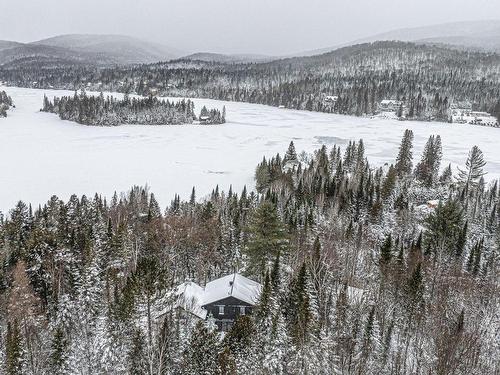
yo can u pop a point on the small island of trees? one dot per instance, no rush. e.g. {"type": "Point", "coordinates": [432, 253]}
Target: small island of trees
{"type": "Point", "coordinates": [110, 111]}
{"type": "Point", "coordinates": [5, 103]}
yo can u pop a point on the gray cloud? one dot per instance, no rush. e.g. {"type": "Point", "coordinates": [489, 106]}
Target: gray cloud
{"type": "Point", "coordinates": [272, 27]}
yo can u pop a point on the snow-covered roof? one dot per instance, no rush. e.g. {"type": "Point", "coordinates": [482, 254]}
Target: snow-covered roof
{"type": "Point", "coordinates": [353, 294]}
{"type": "Point", "coordinates": [233, 285]}
{"type": "Point", "coordinates": [189, 296]}
{"type": "Point", "coordinates": [331, 98]}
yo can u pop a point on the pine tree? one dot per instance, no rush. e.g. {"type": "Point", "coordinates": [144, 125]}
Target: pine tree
{"type": "Point", "coordinates": [469, 177]}
{"type": "Point", "coordinates": [13, 350]}
{"type": "Point", "coordinates": [290, 155]}
{"type": "Point", "coordinates": [444, 226]}
{"type": "Point", "coordinates": [202, 354]}
{"type": "Point", "coordinates": [386, 251]}
{"type": "Point", "coordinates": [496, 111]}
{"type": "Point", "coordinates": [58, 356]}
{"type": "Point", "coordinates": [262, 176]}
{"type": "Point", "coordinates": [302, 313]}
{"type": "Point", "coordinates": [266, 239]}
{"type": "Point", "coordinates": [461, 241]}
{"type": "Point", "coordinates": [404, 160]}
{"type": "Point", "coordinates": [240, 336]}
{"type": "Point", "coordinates": [414, 287]}
{"type": "Point", "coordinates": [447, 176]}
{"type": "Point", "coordinates": [389, 183]}
{"type": "Point", "coordinates": [192, 199]}
{"type": "Point", "coordinates": [137, 363]}
{"type": "Point", "coordinates": [428, 168]}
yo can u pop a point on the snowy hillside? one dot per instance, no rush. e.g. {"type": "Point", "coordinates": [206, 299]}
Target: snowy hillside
{"type": "Point", "coordinates": [82, 48]}
{"type": "Point", "coordinates": [119, 48]}
{"type": "Point", "coordinates": [65, 158]}
{"type": "Point", "coordinates": [477, 35]}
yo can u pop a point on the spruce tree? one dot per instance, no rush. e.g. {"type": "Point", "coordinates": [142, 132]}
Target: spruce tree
{"type": "Point", "coordinates": [301, 314]}
{"type": "Point", "coordinates": [240, 336]}
{"type": "Point", "coordinates": [267, 238]}
{"type": "Point", "coordinates": [404, 160]}
{"type": "Point", "coordinates": [469, 177]}
{"type": "Point", "coordinates": [13, 350]}
{"type": "Point", "coordinates": [137, 363]}
{"type": "Point", "coordinates": [389, 183]}
{"type": "Point", "coordinates": [461, 241]}
{"type": "Point", "coordinates": [386, 251]}
{"type": "Point", "coordinates": [201, 356]}
{"type": "Point", "coordinates": [428, 168]}
{"type": "Point", "coordinates": [415, 287]}
{"type": "Point", "coordinates": [290, 155]}
{"type": "Point", "coordinates": [444, 226]}
{"type": "Point", "coordinates": [59, 352]}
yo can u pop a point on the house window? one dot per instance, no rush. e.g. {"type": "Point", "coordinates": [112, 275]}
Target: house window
{"type": "Point", "coordinates": [221, 310]}
{"type": "Point", "coordinates": [242, 310]}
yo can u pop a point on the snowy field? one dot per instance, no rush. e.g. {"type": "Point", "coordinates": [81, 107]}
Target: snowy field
{"type": "Point", "coordinates": [42, 155]}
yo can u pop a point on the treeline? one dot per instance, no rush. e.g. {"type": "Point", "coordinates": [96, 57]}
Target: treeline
{"type": "Point", "coordinates": [390, 270]}
{"type": "Point", "coordinates": [5, 103]}
{"type": "Point", "coordinates": [428, 79]}
{"type": "Point", "coordinates": [100, 111]}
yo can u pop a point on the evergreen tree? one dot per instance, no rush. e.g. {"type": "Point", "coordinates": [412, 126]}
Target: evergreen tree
{"type": "Point", "coordinates": [389, 183]}
{"type": "Point", "coordinates": [404, 160]}
{"type": "Point", "coordinates": [428, 168]}
{"type": "Point", "coordinates": [201, 356]}
{"type": "Point", "coordinates": [290, 155]}
{"type": "Point", "coordinates": [444, 227]}
{"type": "Point", "coordinates": [469, 177]}
{"type": "Point", "coordinates": [58, 356]}
{"type": "Point", "coordinates": [137, 363]}
{"type": "Point", "coordinates": [415, 287]}
{"type": "Point", "coordinates": [266, 238]}
{"type": "Point", "coordinates": [301, 312]}
{"type": "Point", "coordinates": [240, 336]}
{"type": "Point", "coordinates": [386, 251]}
{"type": "Point", "coordinates": [13, 350]}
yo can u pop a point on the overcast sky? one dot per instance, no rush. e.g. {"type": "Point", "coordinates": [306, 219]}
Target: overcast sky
{"type": "Point", "coordinates": [273, 27]}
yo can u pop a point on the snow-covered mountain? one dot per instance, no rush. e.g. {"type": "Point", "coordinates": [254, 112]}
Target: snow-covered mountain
{"type": "Point", "coordinates": [119, 48]}
{"type": "Point", "coordinates": [475, 35]}
{"type": "Point", "coordinates": [89, 49]}
{"type": "Point", "coordinates": [25, 54]}
{"type": "Point", "coordinates": [6, 44]}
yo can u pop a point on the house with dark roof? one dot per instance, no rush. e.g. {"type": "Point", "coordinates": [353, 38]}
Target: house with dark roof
{"type": "Point", "coordinates": [224, 299]}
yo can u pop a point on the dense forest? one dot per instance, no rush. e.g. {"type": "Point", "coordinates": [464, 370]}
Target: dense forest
{"type": "Point", "coordinates": [390, 270]}
{"type": "Point", "coordinates": [428, 79]}
{"type": "Point", "coordinates": [5, 103]}
{"type": "Point", "coordinates": [109, 111]}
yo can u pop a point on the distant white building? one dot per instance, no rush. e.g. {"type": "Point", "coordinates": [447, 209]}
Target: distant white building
{"type": "Point", "coordinates": [331, 99]}
{"type": "Point", "coordinates": [468, 116]}
{"type": "Point", "coordinates": [389, 105]}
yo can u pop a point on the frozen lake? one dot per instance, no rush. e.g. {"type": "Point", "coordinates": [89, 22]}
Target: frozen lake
{"type": "Point", "coordinates": [42, 155]}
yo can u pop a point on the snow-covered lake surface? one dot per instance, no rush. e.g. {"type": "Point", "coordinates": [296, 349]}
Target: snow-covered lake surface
{"type": "Point", "coordinates": [40, 155]}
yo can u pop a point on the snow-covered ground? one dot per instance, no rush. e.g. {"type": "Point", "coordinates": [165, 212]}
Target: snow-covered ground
{"type": "Point", "coordinates": [41, 155]}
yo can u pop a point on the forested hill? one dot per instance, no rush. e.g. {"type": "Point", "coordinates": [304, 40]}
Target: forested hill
{"type": "Point", "coordinates": [427, 78]}
{"type": "Point", "coordinates": [364, 271]}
